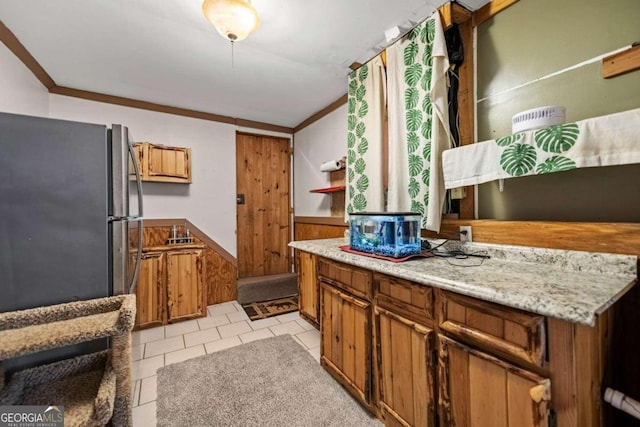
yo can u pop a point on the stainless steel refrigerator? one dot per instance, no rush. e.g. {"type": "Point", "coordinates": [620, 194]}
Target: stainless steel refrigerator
{"type": "Point", "coordinates": [70, 215]}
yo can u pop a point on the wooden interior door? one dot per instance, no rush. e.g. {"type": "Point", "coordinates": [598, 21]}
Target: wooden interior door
{"type": "Point", "coordinates": [263, 204]}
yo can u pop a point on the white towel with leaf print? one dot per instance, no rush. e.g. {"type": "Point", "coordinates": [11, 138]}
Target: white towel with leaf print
{"type": "Point", "coordinates": [601, 141]}
{"type": "Point", "coordinates": [418, 121]}
{"type": "Point", "coordinates": [366, 101]}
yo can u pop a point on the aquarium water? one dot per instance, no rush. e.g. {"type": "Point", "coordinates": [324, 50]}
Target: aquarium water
{"type": "Point", "coordinates": [389, 234]}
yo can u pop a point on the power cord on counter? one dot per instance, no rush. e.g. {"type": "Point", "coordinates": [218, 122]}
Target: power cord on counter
{"type": "Point", "coordinates": [455, 254]}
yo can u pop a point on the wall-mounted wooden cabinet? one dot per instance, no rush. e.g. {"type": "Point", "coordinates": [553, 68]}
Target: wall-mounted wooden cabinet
{"type": "Point", "coordinates": [161, 163]}
{"type": "Point", "coordinates": [170, 286]}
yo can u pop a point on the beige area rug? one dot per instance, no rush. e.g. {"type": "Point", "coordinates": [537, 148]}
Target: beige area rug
{"type": "Point", "coordinates": [271, 383]}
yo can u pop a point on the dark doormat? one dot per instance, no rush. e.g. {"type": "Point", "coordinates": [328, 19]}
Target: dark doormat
{"type": "Point", "coordinates": [274, 307]}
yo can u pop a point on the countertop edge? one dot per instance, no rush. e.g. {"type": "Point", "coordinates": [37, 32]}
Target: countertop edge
{"type": "Point", "coordinates": [584, 314]}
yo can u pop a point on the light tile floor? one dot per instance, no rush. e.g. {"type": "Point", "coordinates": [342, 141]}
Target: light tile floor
{"type": "Point", "coordinates": [225, 326]}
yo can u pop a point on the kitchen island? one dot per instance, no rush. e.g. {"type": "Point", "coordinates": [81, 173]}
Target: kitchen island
{"type": "Point", "coordinates": [520, 338]}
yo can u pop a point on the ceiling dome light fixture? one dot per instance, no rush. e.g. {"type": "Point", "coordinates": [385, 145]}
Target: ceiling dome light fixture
{"type": "Point", "coordinates": [234, 19]}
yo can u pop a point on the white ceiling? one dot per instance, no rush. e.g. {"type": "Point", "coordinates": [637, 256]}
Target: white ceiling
{"type": "Point", "coordinates": [165, 51]}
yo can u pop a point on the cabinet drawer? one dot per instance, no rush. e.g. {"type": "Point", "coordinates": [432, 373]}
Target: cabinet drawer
{"type": "Point", "coordinates": [508, 332]}
{"type": "Point", "coordinates": [411, 299]}
{"type": "Point", "coordinates": [352, 279]}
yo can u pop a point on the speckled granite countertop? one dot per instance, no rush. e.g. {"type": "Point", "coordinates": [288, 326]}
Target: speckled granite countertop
{"type": "Point", "coordinates": [569, 285]}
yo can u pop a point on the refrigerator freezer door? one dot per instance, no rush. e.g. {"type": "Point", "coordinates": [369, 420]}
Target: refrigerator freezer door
{"type": "Point", "coordinates": [54, 243]}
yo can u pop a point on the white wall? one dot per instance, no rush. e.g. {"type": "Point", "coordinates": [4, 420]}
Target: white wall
{"type": "Point", "coordinates": [209, 201]}
{"type": "Point", "coordinates": [321, 141]}
{"type": "Point", "coordinates": [20, 91]}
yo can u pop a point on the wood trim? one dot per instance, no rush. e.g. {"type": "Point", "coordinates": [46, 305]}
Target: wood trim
{"type": "Point", "coordinates": [453, 13]}
{"type": "Point", "coordinates": [160, 108]}
{"type": "Point", "coordinates": [168, 222]}
{"type": "Point", "coordinates": [466, 110]}
{"type": "Point", "coordinates": [490, 9]}
{"type": "Point", "coordinates": [320, 114]}
{"type": "Point", "coordinates": [621, 62]}
{"type": "Point", "coordinates": [320, 220]}
{"type": "Point", "coordinates": [608, 237]}
{"type": "Point", "coordinates": [18, 49]}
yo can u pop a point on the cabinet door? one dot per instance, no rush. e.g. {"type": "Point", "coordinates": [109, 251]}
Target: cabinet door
{"type": "Point", "coordinates": [171, 164]}
{"type": "Point", "coordinates": [479, 390]}
{"type": "Point", "coordinates": [185, 272]}
{"type": "Point", "coordinates": [405, 357]}
{"type": "Point", "coordinates": [345, 343]}
{"type": "Point", "coordinates": [308, 287]}
{"type": "Point", "coordinates": [150, 291]}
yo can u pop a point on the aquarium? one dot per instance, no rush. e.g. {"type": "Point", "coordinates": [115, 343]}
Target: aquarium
{"type": "Point", "coordinates": [391, 234]}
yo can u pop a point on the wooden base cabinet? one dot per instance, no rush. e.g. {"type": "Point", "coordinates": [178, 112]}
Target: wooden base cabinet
{"type": "Point", "coordinates": [405, 366]}
{"type": "Point", "coordinates": [185, 297]}
{"type": "Point", "coordinates": [345, 343]}
{"type": "Point", "coordinates": [308, 292]}
{"type": "Point", "coordinates": [480, 390]}
{"type": "Point", "coordinates": [150, 294]}
{"type": "Point", "coordinates": [170, 287]}
{"type": "Point", "coordinates": [444, 359]}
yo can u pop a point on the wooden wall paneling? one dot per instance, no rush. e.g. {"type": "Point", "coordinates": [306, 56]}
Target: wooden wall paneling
{"type": "Point", "coordinates": [617, 238]}
{"type": "Point", "coordinates": [310, 228]}
{"type": "Point", "coordinates": [155, 236]}
{"type": "Point", "coordinates": [220, 279]}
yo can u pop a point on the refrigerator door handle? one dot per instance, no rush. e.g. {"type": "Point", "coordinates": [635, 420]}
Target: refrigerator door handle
{"type": "Point", "coordinates": [136, 168]}
{"type": "Point", "coordinates": [136, 269]}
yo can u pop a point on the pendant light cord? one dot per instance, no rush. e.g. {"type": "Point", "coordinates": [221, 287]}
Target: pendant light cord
{"type": "Point", "coordinates": [232, 59]}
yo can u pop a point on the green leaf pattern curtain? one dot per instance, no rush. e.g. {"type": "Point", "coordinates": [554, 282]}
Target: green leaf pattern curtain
{"type": "Point", "coordinates": [366, 101]}
{"type": "Point", "coordinates": [418, 121]}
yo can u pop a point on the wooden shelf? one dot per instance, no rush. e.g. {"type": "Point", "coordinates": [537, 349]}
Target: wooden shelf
{"type": "Point", "coordinates": [333, 189]}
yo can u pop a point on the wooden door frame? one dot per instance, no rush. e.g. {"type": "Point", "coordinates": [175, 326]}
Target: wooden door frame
{"type": "Point", "coordinates": [239, 244]}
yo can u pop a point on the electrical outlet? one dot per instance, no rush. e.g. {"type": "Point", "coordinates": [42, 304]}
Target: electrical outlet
{"type": "Point", "coordinates": [465, 234]}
